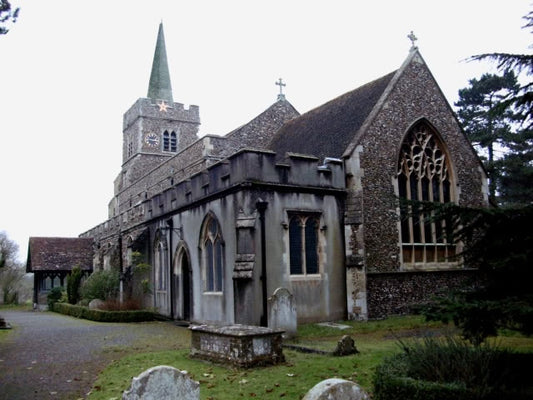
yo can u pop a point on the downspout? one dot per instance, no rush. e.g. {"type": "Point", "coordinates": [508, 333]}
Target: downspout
{"type": "Point", "coordinates": [261, 207]}
{"type": "Point", "coordinates": [121, 268]}
{"type": "Point", "coordinates": [170, 224]}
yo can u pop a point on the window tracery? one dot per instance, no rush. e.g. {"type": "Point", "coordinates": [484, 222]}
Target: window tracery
{"type": "Point", "coordinates": [424, 174]}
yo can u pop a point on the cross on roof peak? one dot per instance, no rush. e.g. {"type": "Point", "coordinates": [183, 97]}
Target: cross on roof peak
{"type": "Point", "coordinates": [280, 83]}
{"type": "Point", "coordinates": [413, 39]}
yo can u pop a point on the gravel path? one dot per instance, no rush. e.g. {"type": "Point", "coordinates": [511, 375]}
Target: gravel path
{"type": "Point", "coordinates": [52, 356]}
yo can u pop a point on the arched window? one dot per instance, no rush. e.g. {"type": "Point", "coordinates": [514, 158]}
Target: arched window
{"type": "Point", "coordinates": [303, 244]}
{"type": "Point", "coordinates": [213, 255]}
{"type": "Point", "coordinates": [161, 265]}
{"type": "Point", "coordinates": [170, 141]}
{"type": "Point", "coordinates": [424, 174]}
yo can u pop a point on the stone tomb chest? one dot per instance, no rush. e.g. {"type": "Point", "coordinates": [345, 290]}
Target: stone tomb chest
{"type": "Point", "coordinates": [240, 345]}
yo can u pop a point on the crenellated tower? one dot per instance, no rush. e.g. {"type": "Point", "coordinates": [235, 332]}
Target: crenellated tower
{"type": "Point", "coordinates": [155, 128]}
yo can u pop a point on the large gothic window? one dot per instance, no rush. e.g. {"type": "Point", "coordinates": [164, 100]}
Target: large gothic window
{"type": "Point", "coordinates": [424, 174]}
{"type": "Point", "coordinates": [213, 255]}
{"type": "Point", "coordinates": [303, 244]}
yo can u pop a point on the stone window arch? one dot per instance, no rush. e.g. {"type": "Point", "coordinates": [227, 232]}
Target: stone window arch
{"type": "Point", "coordinates": [424, 174]}
{"type": "Point", "coordinates": [212, 254]}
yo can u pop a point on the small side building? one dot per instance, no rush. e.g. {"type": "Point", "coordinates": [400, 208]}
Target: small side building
{"type": "Point", "coordinates": [51, 260]}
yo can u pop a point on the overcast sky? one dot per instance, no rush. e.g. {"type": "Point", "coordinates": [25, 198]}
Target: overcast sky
{"type": "Point", "coordinates": [70, 69]}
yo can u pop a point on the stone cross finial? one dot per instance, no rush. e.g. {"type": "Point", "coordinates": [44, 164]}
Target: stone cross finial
{"type": "Point", "coordinates": [280, 83]}
{"type": "Point", "coordinates": [413, 39]}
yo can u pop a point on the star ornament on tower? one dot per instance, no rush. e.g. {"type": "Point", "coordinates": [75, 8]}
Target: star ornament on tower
{"type": "Point", "coordinates": [163, 106]}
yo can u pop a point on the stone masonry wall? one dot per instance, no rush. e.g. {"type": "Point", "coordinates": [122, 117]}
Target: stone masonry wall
{"type": "Point", "coordinates": [397, 293]}
{"type": "Point", "coordinates": [414, 96]}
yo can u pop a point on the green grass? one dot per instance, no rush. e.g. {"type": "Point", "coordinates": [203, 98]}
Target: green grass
{"type": "Point", "coordinates": [291, 380]}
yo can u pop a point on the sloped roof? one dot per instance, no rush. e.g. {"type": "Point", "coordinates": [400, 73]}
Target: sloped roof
{"type": "Point", "coordinates": [59, 254]}
{"type": "Point", "coordinates": [259, 131]}
{"type": "Point", "coordinates": [327, 130]}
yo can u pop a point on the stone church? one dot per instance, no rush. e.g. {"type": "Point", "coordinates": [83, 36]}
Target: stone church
{"type": "Point", "coordinates": [305, 202]}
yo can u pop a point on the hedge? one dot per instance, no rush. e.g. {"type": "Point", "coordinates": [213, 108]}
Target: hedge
{"type": "Point", "coordinates": [392, 383]}
{"type": "Point", "coordinates": [104, 316]}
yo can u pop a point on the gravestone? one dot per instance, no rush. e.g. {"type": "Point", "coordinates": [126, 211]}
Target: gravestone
{"type": "Point", "coordinates": [282, 312]}
{"type": "Point", "coordinates": [338, 389]}
{"type": "Point", "coordinates": [163, 382]}
{"type": "Point", "coordinates": [96, 304]}
{"type": "Point", "coordinates": [345, 347]}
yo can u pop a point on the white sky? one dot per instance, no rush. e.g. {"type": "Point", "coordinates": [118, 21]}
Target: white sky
{"type": "Point", "coordinates": [69, 69]}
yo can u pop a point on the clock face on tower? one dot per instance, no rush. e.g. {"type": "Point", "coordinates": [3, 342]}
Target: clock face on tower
{"type": "Point", "coordinates": [151, 139]}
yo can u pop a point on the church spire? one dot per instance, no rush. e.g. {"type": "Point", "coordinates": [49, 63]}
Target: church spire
{"type": "Point", "coordinates": [160, 87]}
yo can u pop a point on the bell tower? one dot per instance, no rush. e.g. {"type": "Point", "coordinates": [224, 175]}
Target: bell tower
{"type": "Point", "coordinates": [155, 128]}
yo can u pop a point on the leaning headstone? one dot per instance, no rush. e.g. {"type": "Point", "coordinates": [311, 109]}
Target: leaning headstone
{"type": "Point", "coordinates": [163, 382]}
{"type": "Point", "coordinates": [282, 312]}
{"type": "Point", "coordinates": [345, 347]}
{"type": "Point", "coordinates": [96, 304]}
{"type": "Point", "coordinates": [338, 389]}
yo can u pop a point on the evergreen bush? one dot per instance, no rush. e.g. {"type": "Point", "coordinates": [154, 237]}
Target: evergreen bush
{"type": "Point", "coordinates": [73, 285]}
{"type": "Point", "coordinates": [451, 369]}
{"type": "Point", "coordinates": [101, 285]}
{"type": "Point", "coordinates": [54, 296]}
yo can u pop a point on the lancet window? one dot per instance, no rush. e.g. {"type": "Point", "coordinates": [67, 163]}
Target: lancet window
{"type": "Point", "coordinates": [213, 255]}
{"type": "Point", "coordinates": [170, 141]}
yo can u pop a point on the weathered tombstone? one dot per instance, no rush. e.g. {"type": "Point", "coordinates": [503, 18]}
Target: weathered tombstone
{"type": "Point", "coordinates": [345, 347]}
{"type": "Point", "coordinates": [338, 389]}
{"type": "Point", "coordinates": [163, 382]}
{"type": "Point", "coordinates": [282, 312]}
{"type": "Point", "coordinates": [4, 324]}
{"type": "Point", "coordinates": [96, 304]}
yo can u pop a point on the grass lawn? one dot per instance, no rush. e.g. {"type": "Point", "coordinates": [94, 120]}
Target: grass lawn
{"type": "Point", "coordinates": [291, 380]}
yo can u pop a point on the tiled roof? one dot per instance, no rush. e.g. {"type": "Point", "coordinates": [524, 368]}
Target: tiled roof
{"type": "Point", "coordinates": [59, 254]}
{"type": "Point", "coordinates": [326, 131]}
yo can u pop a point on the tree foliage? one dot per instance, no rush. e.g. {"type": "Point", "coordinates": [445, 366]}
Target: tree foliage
{"type": "Point", "coordinates": [7, 14]}
{"type": "Point", "coordinates": [11, 272]}
{"type": "Point", "coordinates": [498, 241]}
{"type": "Point", "coordinates": [488, 126]}
{"type": "Point", "coordinates": [517, 165]}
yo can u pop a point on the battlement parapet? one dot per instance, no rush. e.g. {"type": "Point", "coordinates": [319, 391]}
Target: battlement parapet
{"type": "Point", "coordinates": [244, 168]}
{"type": "Point", "coordinates": [249, 167]}
{"type": "Point", "coordinates": [150, 108]}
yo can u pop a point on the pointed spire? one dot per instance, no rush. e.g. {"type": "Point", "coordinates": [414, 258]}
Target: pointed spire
{"type": "Point", "coordinates": [160, 87]}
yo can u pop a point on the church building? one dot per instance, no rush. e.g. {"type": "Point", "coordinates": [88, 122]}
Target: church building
{"type": "Point", "coordinates": [309, 203]}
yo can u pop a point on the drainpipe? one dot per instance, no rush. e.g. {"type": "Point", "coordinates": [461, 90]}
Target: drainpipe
{"type": "Point", "coordinates": [170, 224]}
{"type": "Point", "coordinates": [121, 268]}
{"type": "Point", "coordinates": [261, 207]}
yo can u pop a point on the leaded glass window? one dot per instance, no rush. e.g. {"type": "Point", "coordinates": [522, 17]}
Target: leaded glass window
{"type": "Point", "coordinates": [424, 174]}
{"type": "Point", "coordinates": [161, 265]}
{"type": "Point", "coordinates": [303, 244]}
{"type": "Point", "coordinates": [213, 255]}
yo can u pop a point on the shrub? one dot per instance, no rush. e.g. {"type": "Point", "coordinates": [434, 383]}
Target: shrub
{"type": "Point", "coordinates": [101, 285]}
{"type": "Point", "coordinates": [54, 296]}
{"type": "Point", "coordinates": [450, 368]}
{"type": "Point", "coordinates": [73, 285]}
